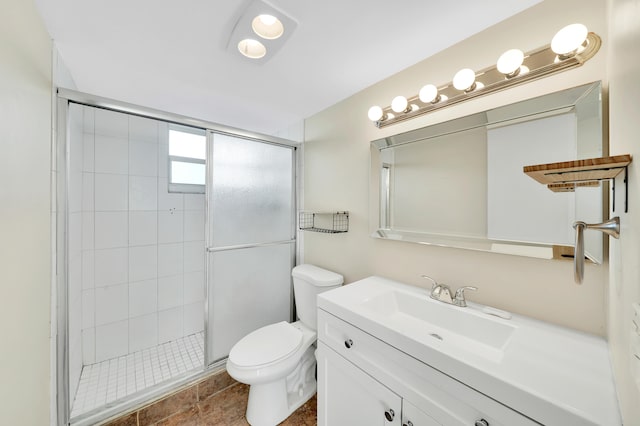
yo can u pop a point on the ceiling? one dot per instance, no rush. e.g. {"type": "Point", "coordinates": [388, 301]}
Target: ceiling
{"type": "Point", "coordinates": [172, 55]}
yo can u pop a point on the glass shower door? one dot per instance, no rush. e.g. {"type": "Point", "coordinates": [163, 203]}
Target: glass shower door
{"type": "Point", "coordinates": [251, 238]}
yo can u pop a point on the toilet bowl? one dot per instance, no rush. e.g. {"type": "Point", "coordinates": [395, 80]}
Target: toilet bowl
{"type": "Point", "coordinates": [278, 360]}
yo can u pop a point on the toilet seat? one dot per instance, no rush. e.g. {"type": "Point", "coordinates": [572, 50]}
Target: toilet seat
{"type": "Point", "coordinates": [266, 345]}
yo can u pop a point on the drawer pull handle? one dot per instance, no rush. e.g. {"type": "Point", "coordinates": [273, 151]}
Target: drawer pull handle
{"type": "Point", "coordinates": [408, 423]}
{"type": "Point", "coordinates": [482, 422]}
{"type": "Point", "coordinates": [389, 415]}
{"type": "Point", "coordinates": [348, 343]}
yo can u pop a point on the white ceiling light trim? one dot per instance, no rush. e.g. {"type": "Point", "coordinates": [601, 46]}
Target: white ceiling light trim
{"type": "Point", "coordinates": [267, 26]}
{"type": "Point", "coordinates": [252, 48]}
{"type": "Point", "coordinates": [261, 23]}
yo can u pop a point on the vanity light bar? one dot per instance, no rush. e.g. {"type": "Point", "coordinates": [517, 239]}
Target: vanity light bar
{"type": "Point", "coordinates": [571, 47]}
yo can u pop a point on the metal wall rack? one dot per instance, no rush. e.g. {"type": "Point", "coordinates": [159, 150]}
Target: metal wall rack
{"type": "Point", "coordinates": [328, 223]}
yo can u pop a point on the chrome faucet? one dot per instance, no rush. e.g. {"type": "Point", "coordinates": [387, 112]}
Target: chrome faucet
{"type": "Point", "coordinates": [442, 293]}
{"type": "Point", "coordinates": [459, 299]}
{"type": "Point", "coordinates": [439, 291]}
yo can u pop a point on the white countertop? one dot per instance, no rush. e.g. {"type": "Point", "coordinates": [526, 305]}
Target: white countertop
{"type": "Point", "coordinates": [551, 374]}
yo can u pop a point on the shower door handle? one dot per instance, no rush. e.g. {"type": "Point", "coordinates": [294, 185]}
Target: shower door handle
{"type": "Point", "coordinates": [251, 245]}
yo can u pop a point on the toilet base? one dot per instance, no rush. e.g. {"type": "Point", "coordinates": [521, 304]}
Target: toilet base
{"type": "Point", "coordinates": [271, 403]}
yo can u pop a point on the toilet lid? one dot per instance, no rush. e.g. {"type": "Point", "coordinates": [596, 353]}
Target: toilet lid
{"type": "Point", "coordinates": [266, 345]}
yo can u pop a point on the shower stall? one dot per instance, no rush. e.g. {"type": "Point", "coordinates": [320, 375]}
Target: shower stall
{"type": "Point", "coordinates": [175, 238]}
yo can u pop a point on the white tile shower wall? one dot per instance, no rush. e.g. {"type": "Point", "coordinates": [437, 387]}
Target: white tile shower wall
{"type": "Point", "coordinates": [140, 249]}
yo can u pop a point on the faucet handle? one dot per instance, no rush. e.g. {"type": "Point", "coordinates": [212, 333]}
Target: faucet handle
{"type": "Point", "coordinates": [459, 299]}
{"type": "Point", "coordinates": [435, 283]}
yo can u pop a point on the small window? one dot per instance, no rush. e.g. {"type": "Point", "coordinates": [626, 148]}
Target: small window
{"type": "Point", "coordinates": [187, 155]}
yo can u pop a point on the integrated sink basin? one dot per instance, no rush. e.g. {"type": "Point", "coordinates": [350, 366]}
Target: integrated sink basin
{"type": "Point", "coordinates": [551, 374]}
{"type": "Point", "coordinates": [416, 315]}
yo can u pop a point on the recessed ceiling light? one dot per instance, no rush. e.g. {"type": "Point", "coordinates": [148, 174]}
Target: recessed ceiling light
{"type": "Point", "coordinates": [252, 48]}
{"type": "Point", "coordinates": [267, 26]}
{"type": "Point", "coordinates": [261, 22]}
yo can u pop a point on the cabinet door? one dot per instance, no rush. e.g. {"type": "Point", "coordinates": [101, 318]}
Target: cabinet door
{"type": "Point", "coordinates": [413, 416]}
{"type": "Point", "coordinates": [349, 396]}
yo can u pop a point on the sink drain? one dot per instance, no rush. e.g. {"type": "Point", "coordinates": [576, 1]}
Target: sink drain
{"type": "Point", "coordinates": [437, 336]}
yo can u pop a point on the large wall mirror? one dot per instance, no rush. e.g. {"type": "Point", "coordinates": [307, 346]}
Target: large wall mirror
{"type": "Point", "coordinates": [460, 183]}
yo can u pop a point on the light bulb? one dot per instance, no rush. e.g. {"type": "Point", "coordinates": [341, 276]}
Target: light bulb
{"type": "Point", "coordinates": [252, 48]}
{"type": "Point", "coordinates": [375, 113]}
{"type": "Point", "coordinates": [399, 104]}
{"type": "Point", "coordinates": [569, 39]}
{"type": "Point", "coordinates": [429, 94]}
{"type": "Point", "coordinates": [464, 80]}
{"type": "Point", "coordinates": [268, 19]}
{"type": "Point", "coordinates": [510, 61]}
{"type": "Point", "coordinates": [267, 26]}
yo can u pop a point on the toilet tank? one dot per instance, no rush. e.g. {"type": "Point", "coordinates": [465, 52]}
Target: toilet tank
{"type": "Point", "coordinates": [308, 282]}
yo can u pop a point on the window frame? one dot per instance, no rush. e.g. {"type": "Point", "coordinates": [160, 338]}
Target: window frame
{"type": "Point", "coordinates": [186, 188]}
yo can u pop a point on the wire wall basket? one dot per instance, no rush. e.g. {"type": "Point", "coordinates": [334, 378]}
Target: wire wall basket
{"type": "Point", "coordinates": [329, 223]}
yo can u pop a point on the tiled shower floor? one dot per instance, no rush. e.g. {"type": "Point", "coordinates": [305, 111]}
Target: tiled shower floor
{"type": "Point", "coordinates": [109, 380]}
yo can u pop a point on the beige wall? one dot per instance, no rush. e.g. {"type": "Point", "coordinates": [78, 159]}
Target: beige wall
{"type": "Point", "coordinates": [337, 172]}
{"type": "Point", "coordinates": [624, 110]}
{"type": "Point", "coordinates": [25, 123]}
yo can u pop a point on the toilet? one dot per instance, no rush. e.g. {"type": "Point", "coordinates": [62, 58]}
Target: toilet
{"type": "Point", "coordinates": [278, 360]}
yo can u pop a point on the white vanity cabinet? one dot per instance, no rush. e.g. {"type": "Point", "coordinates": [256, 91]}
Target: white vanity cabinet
{"type": "Point", "coordinates": [385, 345]}
{"type": "Point", "coordinates": [364, 381]}
{"type": "Point", "coordinates": [369, 402]}
{"type": "Point", "coordinates": [352, 397]}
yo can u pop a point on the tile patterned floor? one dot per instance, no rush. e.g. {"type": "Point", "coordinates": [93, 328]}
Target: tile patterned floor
{"type": "Point", "coordinates": [109, 380]}
{"type": "Point", "coordinates": [228, 408]}
{"type": "Point", "coordinates": [215, 401]}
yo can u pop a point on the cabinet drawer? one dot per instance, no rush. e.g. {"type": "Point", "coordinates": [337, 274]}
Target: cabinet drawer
{"type": "Point", "coordinates": [348, 396]}
{"type": "Point", "coordinates": [413, 416]}
{"type": "Point", "coordinates": [446, 400]}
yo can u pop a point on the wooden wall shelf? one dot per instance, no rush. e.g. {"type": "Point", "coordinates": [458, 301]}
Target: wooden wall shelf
{"type": "Point", "coordinates": [566, 176]}
{"type": "Point", "coordinates": [579, 170]}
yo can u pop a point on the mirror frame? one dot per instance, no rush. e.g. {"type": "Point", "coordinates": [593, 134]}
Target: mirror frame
{"type": "Point", "coordinates": [538, 107]}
